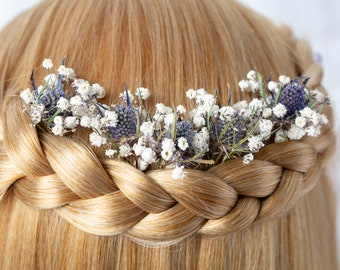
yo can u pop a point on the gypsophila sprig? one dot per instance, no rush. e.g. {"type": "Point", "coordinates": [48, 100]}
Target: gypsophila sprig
{"type": "Point", "coordinates": [178, 138]}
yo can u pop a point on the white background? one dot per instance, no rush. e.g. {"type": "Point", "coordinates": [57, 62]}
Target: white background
{"type": "Point", "coordinates": [316, 20]}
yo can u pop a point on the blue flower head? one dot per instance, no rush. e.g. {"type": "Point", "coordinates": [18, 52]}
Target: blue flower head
{"type": "Point", "coordinates": [126, 124]}
{"type": "Point", "coordinates": [185, 129]}
{"type": "Point", "coordinates": [50, 96]}
{"type": "Point", "coordinates": [293, 96]}
{"type": "Point", "coordinates": [228, 135]}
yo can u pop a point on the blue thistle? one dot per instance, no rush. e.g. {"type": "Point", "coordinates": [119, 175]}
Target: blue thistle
{"type": "Point", "coordinates": [185, 129]}
{"type": "Point", "coordinates": [49, 97]}
{"type": "Point", "coordinates": [232, 135]}
{"type": "Point", "coordinates": [293, 96]}
{"type": "Point", "coordinates": [126, 124]}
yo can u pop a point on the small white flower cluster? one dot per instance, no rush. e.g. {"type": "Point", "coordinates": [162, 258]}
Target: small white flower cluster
{"type": "Point", "coordinates": [308, 122]}
{"type": "Point", "coordinates": [206, 106]}
{"type": "Point", "coordinates": [175, 137]}
{"type": "Point", "coordinates": [251, 84]}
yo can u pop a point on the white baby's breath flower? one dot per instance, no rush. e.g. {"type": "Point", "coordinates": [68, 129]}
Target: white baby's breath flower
{"type": "Point", "coordinates": [47, 64]}
{"type": "Point", "coordinates": [254, 86]}
{"type": "Point", "coordinates": [110, 153]}
{"type": "Point", "coordinates": [295, 132]}
{"type": "Point", "coordinates": [84, 89]}
{"type": "Point", "coordinates": [95, 123]}
{"type": "Point", "coordinates": [97, 140]}
{"type": "Point", "coordinates": [180, 109]}
{"type": "Point", "coordinates": [71, 122]}
{"type": "Point", "coordinates": [266, 127]}
{"type": "Point", "coordinates": [208, 100]}
{"type": "Point", "coordinates": [307, 112]}
{"type": "Point", "coordinates": [51, 80]}
{"type": "Point", "coordinates": [147, 128]}
{"type": "Point", "coordinates": [76, 101]}
{"type": "Point", "coordinates": [198, 121]}
{"type": "Point", "coordinates": [110, 118]}
{"type": "Point", "coordinates": [161, 108]}
{"type": "Point", "coordinates": [58, 120]}
{"type": "Point", "coordinates": [279, 110]}
{"type": "Point", "coordinates": [191, 94]}
{"type": "Point", "coordinates": [247, 158]}
{"type": "Point", "coordinates": [178, 173]}
{"type": "Point", "coordinates": [182, 143]}
{"type": "Point", "coordinates": [169, 119]}
{"type": "Point", "coordinates": [205, 132]}
{"type": "Point", "coordinates": [244, 85]}
{"type": "Point", "coordinates": [273, 86]}
{"type": "Point", "coordinates": [313, 131]}
{"type": "Point", "coordinates": [280, 136]}
{"type": "Point", "coordinates": [37, 111]}
{"type": "Point", "coordinates": [124, 150]}
{"type": "Point", "coordinates": [200, 142]}
{"type": "Point", "coordinates": [85, 121]}
{"type": "Point", "coordinates": [316, 117]}
{"type": "Point", "coordinates": [284, 79]}
{"type": "Point", "coordinates": [256, 105]}
{"type": "Point", "coordinates": [317, 95]}
{"type": "Point", "coordinates": [255, 143]}
{"type": "Point", "coordinates": [323, 119]}
{"type": "Point", "coordinates": [168, 144]}
{"type": "Point", "coordinates": [252, 75]}
{"type": "Point", "coordinates": [63, 104]}
{"type": "Point", "coordinates": [202, 110]}
{"type": "Point", "coordinates": [27, 96]}
{"type": "Point", "coordinates": [300, 121]}
{"type": "Point", "coordinates": [168, 149]}
{"type": "Point", "coordinates": [138, 149]}
{"type": "Point", "coordinates": [266, 112]}
{"type": "Point", "coordinates": [98, 90]}
{"type": "Point", "coordinates": [148, 155]}
{"type": "Point", "coordinates": [58, 130]}
{"type": "Point", "coordinates": [167, 154]}
{"type": "Point", "coordinates": [143, 93]}
{"type": "Point", "coordinates": [227, 113]}
{"type": "Point", "coordinates": [67, 73]}
{"type": "Point", "coordinates": [241, 105]}
{"type": "Point", "coordinates": [201, 92]}
{"type": "Point", "coordinates": [142, 164]}
{"type": "Point", "coordinates": [158, 119]}
{"type": "Point", "coordinates": [77, 82]}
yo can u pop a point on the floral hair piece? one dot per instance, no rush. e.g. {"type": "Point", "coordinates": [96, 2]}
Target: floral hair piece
{"type": "Point", "coordinates": [205, 135]}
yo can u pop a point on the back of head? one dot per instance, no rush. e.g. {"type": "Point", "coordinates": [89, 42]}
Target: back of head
{"type": "Point", "coordinates": [64, 205]}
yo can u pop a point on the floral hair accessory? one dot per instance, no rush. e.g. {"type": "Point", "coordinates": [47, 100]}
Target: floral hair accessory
{"type": "Point", "coordinates": [199, 137]}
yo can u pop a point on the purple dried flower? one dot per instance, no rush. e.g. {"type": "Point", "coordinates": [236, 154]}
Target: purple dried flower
{"type": "Point", "coordinates": [233, 133]}
{"type": "Point", "coordinates": [293, 96]}
{"type": "Point", "coordinates": [185, 129]}
{"type": "Point", "coordinates": [126, 125]}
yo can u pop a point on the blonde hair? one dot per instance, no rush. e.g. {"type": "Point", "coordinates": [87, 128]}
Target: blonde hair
{"type": "Point", "coordinates": [64, 206]}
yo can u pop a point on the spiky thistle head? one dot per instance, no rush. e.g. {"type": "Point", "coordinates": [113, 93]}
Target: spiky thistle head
{"type": "Point", "coordinates": [293, 96]}
{"type": "Point", "coordinates": [185, 129]}
{"type": "Point", "coordinates": [126, 124]}
{"type": "Point", "coordinates": [228, 132]}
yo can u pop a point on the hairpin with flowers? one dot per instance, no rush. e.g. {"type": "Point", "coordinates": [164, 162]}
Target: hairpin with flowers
{"type": "Point", "coordinates": [199, 137]}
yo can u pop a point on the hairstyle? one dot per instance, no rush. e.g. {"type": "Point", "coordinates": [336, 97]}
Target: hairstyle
{"type": "Point", "coordinates": [63, 205]}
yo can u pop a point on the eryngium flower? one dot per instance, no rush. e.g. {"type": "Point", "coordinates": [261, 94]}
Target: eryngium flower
{"type": "Point", "coordinates": [185, 129]}
{"type": "Point", "coordinates": [126, 124]}
{"type": "Point", "coordinates": [293, 96]}
{"type": "Point", "coordinates": [50, 97]}
{"type": "Point", "coordinates": [228, 135]}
